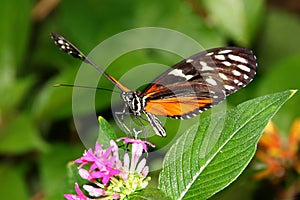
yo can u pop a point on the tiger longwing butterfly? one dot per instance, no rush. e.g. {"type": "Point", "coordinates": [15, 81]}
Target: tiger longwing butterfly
{"type": "Point", "coordinates": [185, 89]}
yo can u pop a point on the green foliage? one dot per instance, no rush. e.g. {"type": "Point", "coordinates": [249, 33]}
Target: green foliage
{"type": "Point", "coordinates": [238, 19]}
{"type": "Point", "coordinates": [11, 176]}
{"type": "Point", "coordinates": [284, 75]}
{"type": "Point", "coordinates": [278, 39]}
{"type": "Point", "coordinates": [208, 158]}
{"type": "Point", "coordinates": [150, 194]}
{"type": "Point", "coordinates": [72, 178]}
{"type": "Point", "coordinates": [106, 133]}
{"type": "Point", "coordinates": [18, 141]}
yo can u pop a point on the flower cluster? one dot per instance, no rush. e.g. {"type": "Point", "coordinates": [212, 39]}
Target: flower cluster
{"type": "Point", "coordinates": [280, 155]}
{"type": "Point", "coordinates": [109, 178]}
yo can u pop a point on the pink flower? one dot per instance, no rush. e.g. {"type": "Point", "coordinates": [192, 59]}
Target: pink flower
{"type": "Point", "coordinates": [93, 191]}
{"type": "Point", "coordinates": [102, 163]}
{"type": "Point", "coordinates": [108, 177]}
{"type": "Point", "coordinates": [79, 196]}
{"type": "Point", "coordinates": [136, 141]}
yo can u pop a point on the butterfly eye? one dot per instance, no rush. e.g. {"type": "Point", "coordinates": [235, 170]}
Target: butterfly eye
{"type": "Point", "coordinates": [128, 97]}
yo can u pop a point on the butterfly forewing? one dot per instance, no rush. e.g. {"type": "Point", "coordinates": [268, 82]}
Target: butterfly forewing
{"type": "Point", "coordinates": [199, 82]}
{"type": "Point", "coordinates": [66, 46]}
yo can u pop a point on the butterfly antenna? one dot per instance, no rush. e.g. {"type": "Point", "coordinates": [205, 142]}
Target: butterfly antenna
{"type": "Point", "coordinates": [83, 86]}
{"type": "Point", "coordinates": [71, 49]}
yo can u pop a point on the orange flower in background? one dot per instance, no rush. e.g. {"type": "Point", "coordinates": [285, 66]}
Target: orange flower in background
{"type": "Point", "coordinates": [278, 153]}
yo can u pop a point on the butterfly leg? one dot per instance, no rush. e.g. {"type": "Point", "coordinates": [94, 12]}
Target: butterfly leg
{"type": "Point", "coordinates": [130, 129]}
{"type": "Point", "coordinates": [136, 133]}
{"type": "Point", "coordinates": [156, 124]}
{"type": "Point", "coordinates": [152, 119]}
{"type": "Point", "coordinates": [139, 118]}
{"type": "Point", "coordinates": [120, 119]}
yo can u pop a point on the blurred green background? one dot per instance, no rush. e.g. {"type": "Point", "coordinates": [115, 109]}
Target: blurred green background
{"type": "Point", "coordinates": [37, 134]}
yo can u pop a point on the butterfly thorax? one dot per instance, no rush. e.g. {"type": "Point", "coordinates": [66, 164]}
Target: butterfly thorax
{"type": "Point", "coordinates": [135, 103]}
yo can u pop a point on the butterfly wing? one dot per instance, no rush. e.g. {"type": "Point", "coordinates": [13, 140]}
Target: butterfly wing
{"type": "Point", "coordinates": [199, 82]}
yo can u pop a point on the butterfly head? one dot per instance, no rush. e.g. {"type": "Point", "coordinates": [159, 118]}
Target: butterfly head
{"type": "Point", "coordinates": [133, 101]}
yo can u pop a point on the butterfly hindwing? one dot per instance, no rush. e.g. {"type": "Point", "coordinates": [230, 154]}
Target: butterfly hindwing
{"type": "Point", "coordinates": [199, 82]}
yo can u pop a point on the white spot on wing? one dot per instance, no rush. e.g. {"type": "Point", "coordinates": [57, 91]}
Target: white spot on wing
{"type": "Point", "coordinates": [178, 72]}
{"type": "Point", "coordinates": [244, 68]}
{"type": "Point", "coordinates": [211, 81]}
{"type": "Point", "coordinates": [225, 51]}
{"type": "Point", "coordinates": [203, 64]}
{"type": "Point", "coordinates": [189, 60]}
{"type": "Point", "coordinates": [210, 53]}
{"type": "Point", "coordinates": [236, 73]}
{"type": "Point", "coordinates": [223, 76]}
{"type": "Point", "coordinates": [60, 41]}
{"type": "Point", "coordinates": [246, 76]}
{"type": "Point", "coordinates": [205, 67]}
{"type": "Point", "coordinates": [229, 87]}
{"type": "Point", "coordinates": [220, 57]}
{"type": "Point", "coordinates": [237, 58]}
{"type": "Point", "coordinates": [236, 81]}
{"type": "Point", "coordinates": [226, 63]}
{"type": "Point", "coordinates": [240, 84]}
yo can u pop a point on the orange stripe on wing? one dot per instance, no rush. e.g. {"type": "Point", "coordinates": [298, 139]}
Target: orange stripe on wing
{"type": "Point", "coordinates": [155, 88]}
{"type": "Point", "coordinates": [172, 107]}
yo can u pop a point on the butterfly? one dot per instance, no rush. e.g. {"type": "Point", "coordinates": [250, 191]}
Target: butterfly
{"type": "Point", "coordinates": [187, 88]}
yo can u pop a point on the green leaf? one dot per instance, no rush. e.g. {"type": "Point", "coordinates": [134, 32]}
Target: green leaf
{"type": "Point", "coordinates": [52, 165]}
{"type": "Point", "coordinates": [14, 36]}
{"type": "Point", "coordinates": [106, 133]}
{"type": "Point", "coordinates": [238, 19]}
{"type": "Point", "coordinates": [15, 93]}
{"type": "Point", "coordinates": [12, 182]}
{"type": "Point", "coordinates": [15, 21]}
{"type": "Point", "coordinates": [72, 178]}
{"type": "Point", "coordinates": [54, 102]}
{"type": "Point", "coordinates": [208, 158]}
{"type": "Point", "coordinates": [149, 194]}
{"type": "Point", "coordinates": [21, 136]}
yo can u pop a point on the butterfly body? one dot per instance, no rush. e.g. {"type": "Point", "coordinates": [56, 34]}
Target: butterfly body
{"type": "Point", "coordinates": [134, 102]}
{"type": "Point", "coordinates": [185, 89]}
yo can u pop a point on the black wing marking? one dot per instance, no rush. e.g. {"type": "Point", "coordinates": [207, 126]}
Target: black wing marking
{"type": "Point", "coordinates": [213, 74]}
